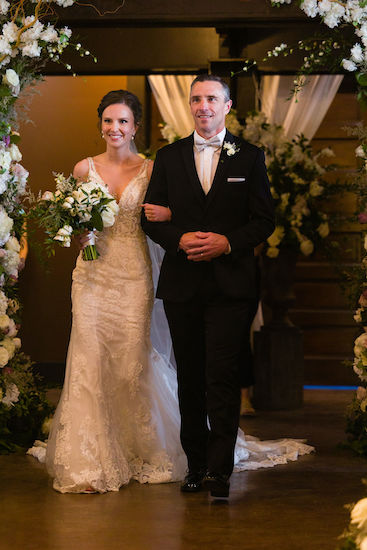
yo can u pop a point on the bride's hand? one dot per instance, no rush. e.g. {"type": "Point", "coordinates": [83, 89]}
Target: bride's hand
{"type": "Point", "coordinates": [156, 213]}
{"type": "Point", "coordinates": [84, 238]}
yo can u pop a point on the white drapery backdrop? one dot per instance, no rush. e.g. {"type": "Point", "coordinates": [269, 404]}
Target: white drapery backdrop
{"type": "Point", "coordinates": [172, 93]}
{"type": "Point", "coordinates": [301, 114]}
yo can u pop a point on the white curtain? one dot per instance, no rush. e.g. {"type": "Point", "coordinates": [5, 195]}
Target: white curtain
{"type": "Point", "coordinates": [172, 93]}
{"type": "Point", "coordinates": [302, 113]}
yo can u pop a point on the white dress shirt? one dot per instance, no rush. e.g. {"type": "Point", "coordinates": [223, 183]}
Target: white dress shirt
{"type": "Point", "coordinates": [207, 158]}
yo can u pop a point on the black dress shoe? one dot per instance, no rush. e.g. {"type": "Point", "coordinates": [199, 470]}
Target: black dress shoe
{"type": "Point", "coordinates": [193, 482]}
{"type": "Point", "coordinates": [217, 484]}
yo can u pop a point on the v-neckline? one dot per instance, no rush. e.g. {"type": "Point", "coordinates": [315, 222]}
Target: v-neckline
{"type": "Point", "coordinates": [118, 200]}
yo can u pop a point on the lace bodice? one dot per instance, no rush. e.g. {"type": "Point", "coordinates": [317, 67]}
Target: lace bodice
{"type": "Point", "coordinates": [128, 219]}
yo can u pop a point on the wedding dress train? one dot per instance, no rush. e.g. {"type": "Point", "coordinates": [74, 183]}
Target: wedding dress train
{"type": "Point", "coordinates": [118, 416]}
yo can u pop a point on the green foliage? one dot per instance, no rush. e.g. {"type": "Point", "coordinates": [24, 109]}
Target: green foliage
{"type": "Point", "coordinates": [348, 544]}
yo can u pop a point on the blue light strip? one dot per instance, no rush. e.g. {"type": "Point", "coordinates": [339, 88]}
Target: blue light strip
{"type": "Point", "coordinates": [351, 388]}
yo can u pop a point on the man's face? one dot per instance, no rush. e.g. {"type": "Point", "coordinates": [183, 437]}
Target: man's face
{"type": "Point", "coordinates": [209, 107]}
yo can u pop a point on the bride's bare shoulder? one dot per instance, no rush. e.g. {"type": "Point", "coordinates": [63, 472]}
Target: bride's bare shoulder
{"type": "Point", "coordinates": [81, 169]}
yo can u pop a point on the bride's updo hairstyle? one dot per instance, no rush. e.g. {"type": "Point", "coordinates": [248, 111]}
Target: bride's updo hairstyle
{"type": "Point", "coordinates": [125, 97]}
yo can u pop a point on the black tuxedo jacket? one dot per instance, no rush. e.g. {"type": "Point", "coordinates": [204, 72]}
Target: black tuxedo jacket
{"type": "Point", "coordinates": [239, 205]}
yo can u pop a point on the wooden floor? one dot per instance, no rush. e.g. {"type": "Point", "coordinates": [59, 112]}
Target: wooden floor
{"type": "Point", "coordinates": [299, 506]}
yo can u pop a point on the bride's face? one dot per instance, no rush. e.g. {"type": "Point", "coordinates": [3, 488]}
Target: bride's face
{"type": "Point", "coordinates": [118, 125]}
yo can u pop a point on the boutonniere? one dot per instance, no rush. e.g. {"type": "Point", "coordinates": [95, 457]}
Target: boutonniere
{"type": "Point", "coordinates": [231, 148]}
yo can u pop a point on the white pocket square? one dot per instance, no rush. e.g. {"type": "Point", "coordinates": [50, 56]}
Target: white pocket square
{"type": "Point", "coordinates": [235, 180]}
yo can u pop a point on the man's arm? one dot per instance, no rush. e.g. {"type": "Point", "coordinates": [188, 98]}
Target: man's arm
{"type": "Point", "coordinates": [164, 233]}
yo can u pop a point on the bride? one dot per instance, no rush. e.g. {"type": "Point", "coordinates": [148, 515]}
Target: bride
{"type": "Point", "coordinates": [118, 418]}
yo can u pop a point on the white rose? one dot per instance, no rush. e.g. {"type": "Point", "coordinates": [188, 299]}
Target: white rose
{"type": "Point", "coordinates": [3, 302]}
{"type": "Point", "coordinates": [84, 216]}
{"type": "Point", "coordinates": [4, 322]}
{"type": "Point", "coordinates": [168, 133]}
{"type": "Point", "coordinates": [4, 357]}
{"type": "Point", "coordinates": [359, 513]}
{"type": "Point", "coordinates": [315, 189]}
{"type": "Point", "coordinates": [80, 198]}
{"type": "Point", "coordinates": [4, 6]}
{"type": "Point", "coordinates": [15, 154]}
{"type": "Point", "coordinates": [323, 230]}
{"type": "Point", "coordinates": [11, 79]}
{"type": "Point", "coordinates": [47, 196]}
{"type": "Point", "coordinates": [49, 34]}
{"type": "Point", "coordinates": [357, 317]}
{"type": "Point", "coordinates": [361, 341]}
{"type": "Point", "coordinates": [5, 160]}
{"type": "Point", "coordinates": [32, 49]}
{"type": "Point", "coordinates": [114, 207]}
{"type": "Point", "coordinates": [11, 263]}
{"type": "Point", "coordinates": [360, 152]}
{"type": "Point", "coordinates": [63, 235]}
{"type": "Point", "coordinates": [12, 244]}
{"type": "Point", "coordinates": [66, 205]}
{"type": "Point", "coordinates": [12, 331]}
{"type": "Point", "coordinates": [357, 53]}
{"type": "Point", "coordinates": [17, 342]}
{"type": "Point", "coordinates": [272, 252]}
{"type": "Point", "coordinates": [306, 247]}
{"type": "Point", "coordinates": [9, 345]}
{"type": "Point", "coordinates": [6, 225]}
{"type": "Point", "coordinates": [108, 218]}
{"type": "Point", "coordinates": [11, 395]}
{"type": "Point", "coordinates": [361, 393]}
{"type": "Point", "coordinates": [65, 231]}
{"type": "Point", "coordinates": [349, 65]}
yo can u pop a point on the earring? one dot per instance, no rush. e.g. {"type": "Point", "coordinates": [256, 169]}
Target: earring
{"type": "Point", "coordinates": [102, 135]}
{"type": "Point", "coordinates": [132, 137]}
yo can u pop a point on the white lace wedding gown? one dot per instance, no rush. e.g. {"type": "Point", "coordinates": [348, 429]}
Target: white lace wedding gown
{"type": "Point", "coordinates": [118, 416]}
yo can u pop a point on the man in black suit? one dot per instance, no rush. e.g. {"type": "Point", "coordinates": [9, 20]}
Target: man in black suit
{"type": "Point", "coordinates": [217, 189]}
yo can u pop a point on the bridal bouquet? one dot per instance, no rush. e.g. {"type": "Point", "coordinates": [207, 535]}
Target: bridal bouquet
{"type": "Point", "coordinates": [74, 207]}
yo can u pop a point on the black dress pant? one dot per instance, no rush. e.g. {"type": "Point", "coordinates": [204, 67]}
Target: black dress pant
{"type": "Point", "coordinates": [207, 336]}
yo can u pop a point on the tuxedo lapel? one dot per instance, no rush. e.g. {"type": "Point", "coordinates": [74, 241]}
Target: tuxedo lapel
{"type": "Point", "coordinates": [189, 161]}
{"type": "Point", "coordinates": [222, 169]}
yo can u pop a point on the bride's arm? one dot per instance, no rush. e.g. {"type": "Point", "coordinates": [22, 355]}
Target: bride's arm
{"type": "Point", "coordinates": [155, 212]}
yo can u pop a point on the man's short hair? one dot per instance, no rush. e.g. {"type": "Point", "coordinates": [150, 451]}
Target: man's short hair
{"type": "Point", "coordinates": [213, 78]}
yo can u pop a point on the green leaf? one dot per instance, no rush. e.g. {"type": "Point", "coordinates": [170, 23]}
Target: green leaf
{"type": "Point", "coordinates": [4, 91]}
{"type": "Point", "coordinates": [96, 220]}
{"type": "Point", "coordinates": [14, 138]}
{"type": "Point", "coordinates": [361, 79]}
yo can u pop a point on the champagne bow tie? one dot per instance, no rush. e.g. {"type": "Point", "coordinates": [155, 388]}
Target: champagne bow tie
{"type": "Point", "coordinates": [201, 143]}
